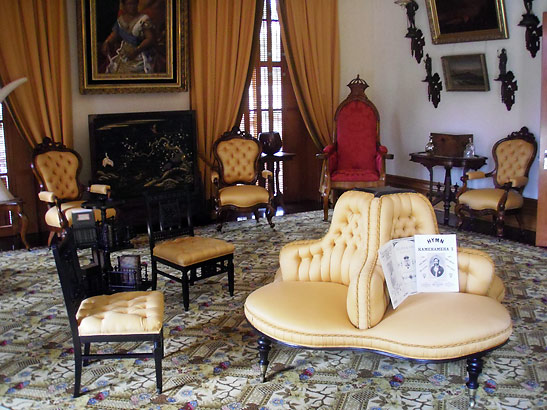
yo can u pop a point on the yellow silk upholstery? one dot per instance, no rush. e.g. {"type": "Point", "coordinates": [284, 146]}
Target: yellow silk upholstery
{"type": "Point", "coordinates": [513, 157]}
{"type": "Point", "coordinates": [99, 189]}
{"type": "Point", "coordinates": [243, 196]}
{"type": "Point", "coordinates": [313, 314]}
{"type": "Point", "coordinates": [489, 198]}
{"type": "Point", "coordinates": [238, 159]}
{"type": "Point", "coordinates": [331, 292]}
{"type": "Point", "coordinates": [46, 196]}
{"type": "Point", "coordinates": [189, 250]}
{"type": "Point", "coordinates": [52, 214]}
{"type": "Point", "coordinates": [121, 313]}
{"type": "Point", "coordinates": [476, 174]}
{"type": "Point", "coordinates": [236, 175]}
{"type": "Point", "coordinates": [59, 171]}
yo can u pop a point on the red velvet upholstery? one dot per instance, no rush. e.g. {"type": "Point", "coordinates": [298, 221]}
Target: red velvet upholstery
{"type": "Point", "coordinates": [356, 137]}
{"type": "Point", "coordinates": [355, 159]}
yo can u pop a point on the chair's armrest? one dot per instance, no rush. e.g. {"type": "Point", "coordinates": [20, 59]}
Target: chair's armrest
{"type": "Point", "coordinates": [100, 189]}
{"type": "Point", "coordinates": [475, 175]}
{"type": "Point", "coordinates": [301, 260]}
{"type": "Point", "coordinates": [47, 196]}
{"type": "Point", "coordinates": [214, 177]}
{"type": "Point", "coordinates": [477, 274]}
{"type": "Point", "coordinates": [329, 149]}
{"type": "Point", "coordinates": [519, 182]}
{"type": "Point", "coordinates": [266, 174]}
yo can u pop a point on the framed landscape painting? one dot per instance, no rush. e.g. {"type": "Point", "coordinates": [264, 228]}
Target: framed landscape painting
{"type": "Point", "coordinates": [466, 20]}
{"type": "Point", "coordinates": [465, 72]}
{"type": "Point", "coordinates": [128, 46]}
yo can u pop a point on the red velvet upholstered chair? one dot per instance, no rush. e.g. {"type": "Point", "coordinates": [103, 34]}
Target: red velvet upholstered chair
{"type": "Point", "coordinates": [355, 159]}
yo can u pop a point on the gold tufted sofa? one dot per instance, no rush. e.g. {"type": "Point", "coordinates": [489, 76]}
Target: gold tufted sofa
{"type": "Point", "coordinates": [513, 156]}
{"type": "Point", "coordinates": [331, 292]}
{"type": "Point", "coordinates": [57, 169]}
{"type": "Point", "coordinates": [236, 155]}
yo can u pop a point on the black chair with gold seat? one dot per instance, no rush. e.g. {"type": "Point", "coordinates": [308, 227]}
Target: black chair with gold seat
{"type": "Point", "coordinates": [121, 317]}
{"type": "Point", "coordinates": [173, 244]}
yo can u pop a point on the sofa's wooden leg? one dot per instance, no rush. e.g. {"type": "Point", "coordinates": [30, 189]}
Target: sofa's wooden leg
{"type": "Point", "coordinates": [474, 369]}
{"type": "Point", "coordinates": [264, 347]}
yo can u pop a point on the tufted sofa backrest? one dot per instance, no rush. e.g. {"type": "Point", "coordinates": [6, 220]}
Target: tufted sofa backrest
{"type": "Point", "coordinates": [59, 172]}
{"type": "Point", "coordinates": [391, 217]}
{"type": "Point", "coordinates": [238, 159]}
{"type": "Point", "coordinates": [341, 253]}
{"type": "Point", "coordinates": [513, 159]}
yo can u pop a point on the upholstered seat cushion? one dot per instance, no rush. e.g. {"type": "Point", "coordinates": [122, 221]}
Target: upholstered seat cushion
{"type": "Point", "coordinates": [479, 199]}
{"type": "Point", "coordinates": [121, 313]}
{"type": "Point", "coordinates": [424, 326]}
{"type": "Point", "coordinates": [243, 196]}
{"type": "Point", "coordinates": [52, 216]}
{"type": "Point", "coordinates": [355, 175]}
{"type": "Point", "coordinates": [188, 250]}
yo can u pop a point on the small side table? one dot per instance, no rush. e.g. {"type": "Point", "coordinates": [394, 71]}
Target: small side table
{"type": "Point", "coordinates": [272, 163]}
{"type": "Point", "coordinates": [447, 195]}
{"type": "Point", "coordinates": [105, 228]}
{"type": "Point", "coordinates": [16, 206]}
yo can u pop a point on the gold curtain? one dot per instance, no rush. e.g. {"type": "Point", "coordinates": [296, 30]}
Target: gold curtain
{"type": "Point", "coordinates": [222, 38]}
{"type": "Point", "coordinates": [309, 31]}
{"type": "Point", "coordinates": [34, 44]}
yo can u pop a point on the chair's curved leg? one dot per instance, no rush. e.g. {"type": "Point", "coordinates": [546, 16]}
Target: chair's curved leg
{"type": "Point", "coordinates": [519, 221]}
{"type": "Point", "coordinates": [256, 214]}
{"type": "Point", "coordinates": [326, 196]}
{"type": "Point", "coordinates": [270, 212]}
{"type": "Point", "coordinates": [500, 219]}
{"type": "Point", "coordinates": [220, 219]}
{"type": "Point", "coordinates": [459, 213]}
{"type": "Point", "coordinates": [77, 367]}
{"type": "Point", "coordinates": [185, 291]}
{"type": "Point", "coordinates": [474, 369]}
{"type": "Point", "coordinates": [158, 355]}
{"type": "Point", "coordinates": [50, 238]}
{"type": "Point", "coordinates": [264, 347]}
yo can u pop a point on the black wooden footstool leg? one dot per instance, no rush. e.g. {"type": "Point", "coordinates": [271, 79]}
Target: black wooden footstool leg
{"type": "Point", "coordinates": [474, 369]}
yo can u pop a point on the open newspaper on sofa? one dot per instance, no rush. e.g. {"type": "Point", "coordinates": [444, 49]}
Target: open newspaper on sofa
{"type": "Point", "coordinates": [331, 292]}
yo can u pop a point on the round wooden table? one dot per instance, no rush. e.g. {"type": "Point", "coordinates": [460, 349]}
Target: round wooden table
{"type": "Point", "coordinates": [448, 194]}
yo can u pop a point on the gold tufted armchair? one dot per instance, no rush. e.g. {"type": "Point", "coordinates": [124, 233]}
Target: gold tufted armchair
{"type": "Point", "coordinates": [331, 292]}
{"type": "Point", "coordinates": [57, 169]}
{"type": "Point", "coordinates": [236, 158]}
{"type": "Point", "coordinates": [513, 157]}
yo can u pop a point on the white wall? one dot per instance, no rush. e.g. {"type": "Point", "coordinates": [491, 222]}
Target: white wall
{"type": "Point", "coordinates": [84, 105]}
{"type": "Point", "coordinates": [373, 44]}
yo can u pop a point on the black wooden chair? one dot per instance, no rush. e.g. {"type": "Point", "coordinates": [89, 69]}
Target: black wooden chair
{"type": "Point", "coordinates": [121, 317]}
{"type": "Point", "coordinates": [172, 243]}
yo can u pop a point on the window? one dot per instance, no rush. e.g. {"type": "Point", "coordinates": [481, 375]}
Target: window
{"type": "Point", "coordinates": [263, 101]}
{"type": "Point", "coordinates": [5, 217]}
{"type": "Point", "coordinates": [263, 107]}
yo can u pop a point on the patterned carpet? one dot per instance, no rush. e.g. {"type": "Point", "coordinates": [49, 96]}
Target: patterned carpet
{"type": "Point", "coordinates": [211, 356]}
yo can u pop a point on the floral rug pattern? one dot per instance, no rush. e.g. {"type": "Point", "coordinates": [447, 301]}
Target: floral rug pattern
{"type": "Point", "coordinates": [211, 358]}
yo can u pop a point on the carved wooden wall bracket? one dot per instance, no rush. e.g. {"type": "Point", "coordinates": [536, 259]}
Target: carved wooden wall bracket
{"type": "Point", "coordinates": [533, 29]}
{"type": "Point", "coordinates": [434, 83]}
{"type": "Point", "coordinates": [416, 36]}
{"type": "Point", "coordinates": [508, 81]}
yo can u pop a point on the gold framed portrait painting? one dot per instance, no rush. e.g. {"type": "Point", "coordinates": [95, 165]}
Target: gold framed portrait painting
{"type": "Point", "coordinates": [466, 20]}
{"type": "Point", "coordinates": [132, 46]}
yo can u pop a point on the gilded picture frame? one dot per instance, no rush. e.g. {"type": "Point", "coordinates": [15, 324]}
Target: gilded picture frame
{"type": "Point", "coordinates": [466, 72]}
{"type": "Point", "coordinates": [466, 20]}
{"type": "Point", "coordinates": [132, 46]}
